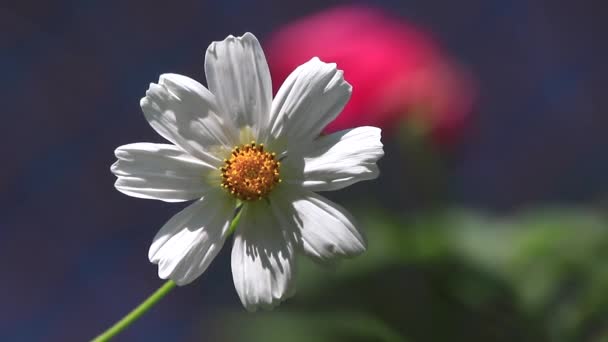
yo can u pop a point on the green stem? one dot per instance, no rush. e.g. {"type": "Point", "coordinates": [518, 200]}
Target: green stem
{"type": "Point", "coordinates": [152, 300]}
{"type": "Point", "coordinates": [235, 220]}
{"type": "Point", "coordinates": [136, 313]}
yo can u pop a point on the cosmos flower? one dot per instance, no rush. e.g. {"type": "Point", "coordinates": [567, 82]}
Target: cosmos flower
{"type": "Point", "coordinates": [399, 71]}
{"type": "Point", "coordinates": [235, 149]}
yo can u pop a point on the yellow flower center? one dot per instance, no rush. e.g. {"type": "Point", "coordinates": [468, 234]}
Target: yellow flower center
{"type": "Point", "coordinates": [250, 173]}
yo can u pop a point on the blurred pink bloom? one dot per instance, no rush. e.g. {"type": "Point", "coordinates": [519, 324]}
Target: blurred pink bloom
{"type": "Point", "coordinates": [398, 72]}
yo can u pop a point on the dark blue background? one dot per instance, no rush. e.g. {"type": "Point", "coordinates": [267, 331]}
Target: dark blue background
{"type": "Point", "coordinates": [74, 251]}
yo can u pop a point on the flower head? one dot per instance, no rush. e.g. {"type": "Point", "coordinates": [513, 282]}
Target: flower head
{"type": "Point", "coordinates": [400, 72]}
{"type": "Point", "coordinates": [235, 148]}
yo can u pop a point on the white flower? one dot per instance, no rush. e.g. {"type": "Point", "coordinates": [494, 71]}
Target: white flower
{"type": "Point", "coordinates": [233, 146]}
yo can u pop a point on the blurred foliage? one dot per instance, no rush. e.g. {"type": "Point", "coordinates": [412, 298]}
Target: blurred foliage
{"type": "Point", "coordinates": [541, 275]}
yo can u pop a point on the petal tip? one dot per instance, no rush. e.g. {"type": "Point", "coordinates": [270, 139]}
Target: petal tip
{"type": "Point", "coordinates": [115, 167]}
{"type": "Point", "coordinates": [249, 35]}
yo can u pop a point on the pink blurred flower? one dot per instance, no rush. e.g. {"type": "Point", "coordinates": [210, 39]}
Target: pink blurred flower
{"type": "Point", "coordinates": [398, 72]}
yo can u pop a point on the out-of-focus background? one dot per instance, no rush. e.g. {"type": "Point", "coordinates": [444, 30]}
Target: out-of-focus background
{"type": "Point", "coordinates": [488, 222]}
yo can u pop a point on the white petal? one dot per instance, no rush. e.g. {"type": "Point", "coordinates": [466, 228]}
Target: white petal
{"type": "Point", "coordinates": [238, 75]}
{"type": "Point", "coordinates": [338, 160]}
{"type": "Point", "coordinates": [185, 246]}
{"type": "Point", "coordinates": [326, 229]}
{"type": "Point", "coordinates": [311, 97]}
{"type": "Point", "coordinates": [159, 171]}
{"type": "Point", "coordinates": [262, 259]}
{"type": "Point", "coordinates": [184, 112]}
